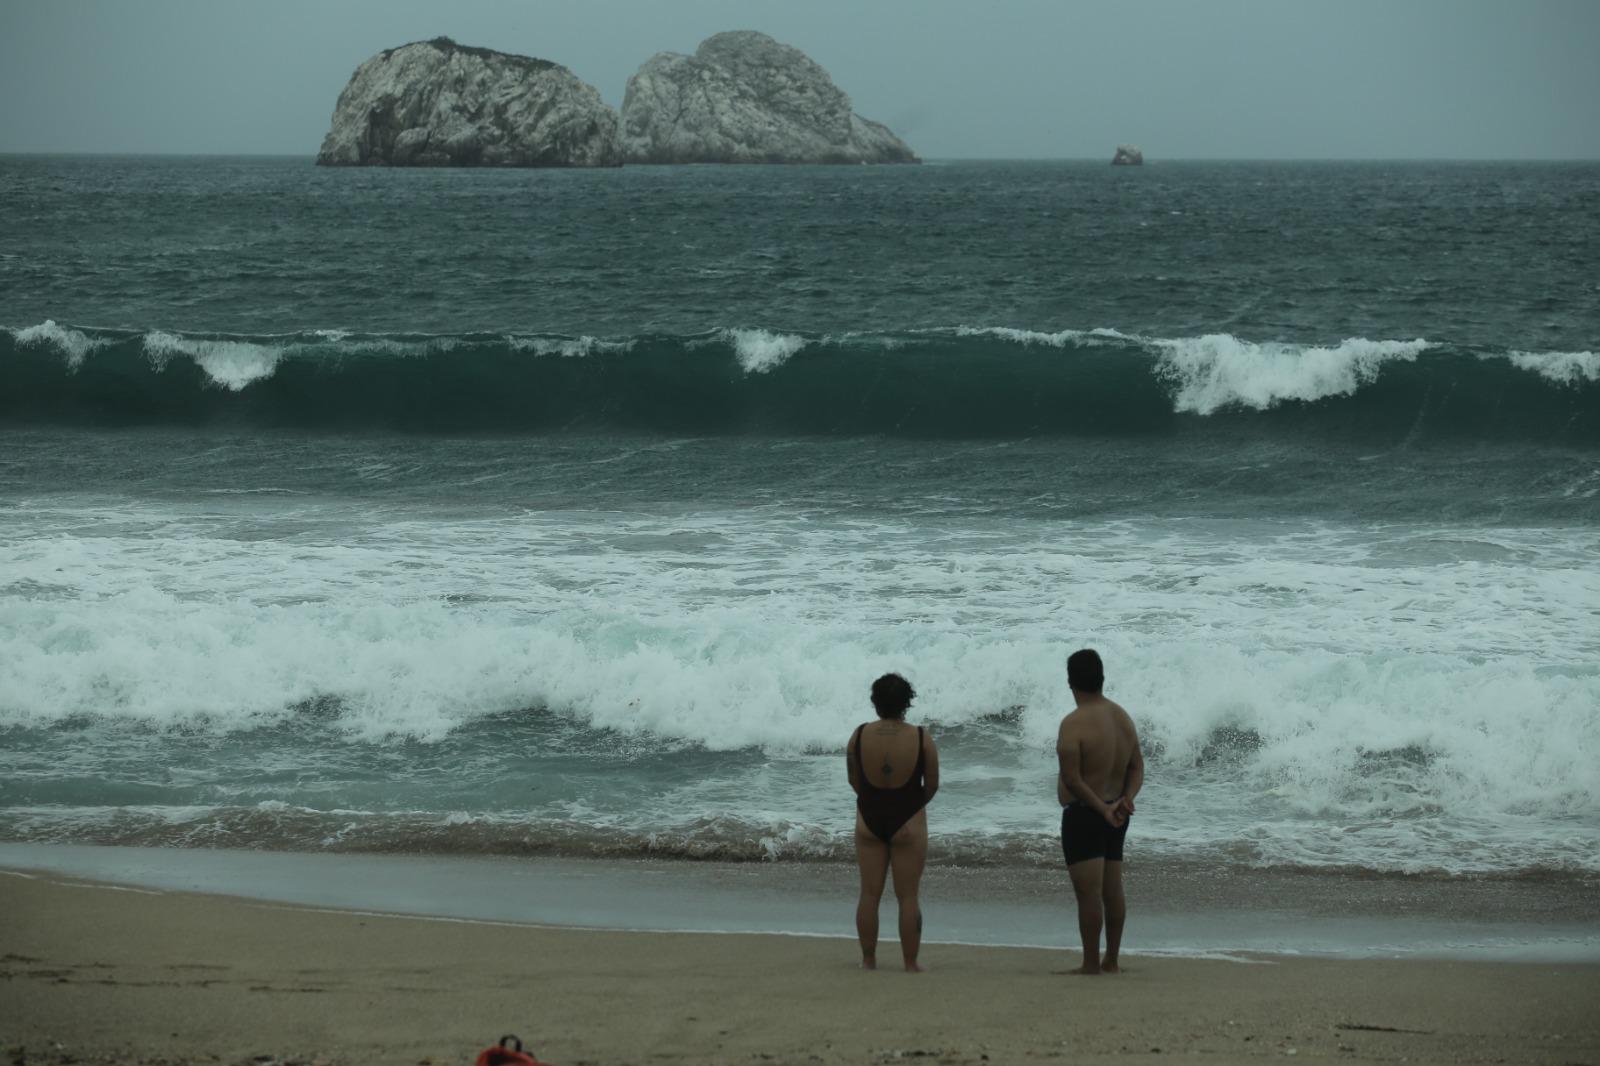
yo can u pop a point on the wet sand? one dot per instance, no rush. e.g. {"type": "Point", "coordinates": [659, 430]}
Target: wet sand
{"type": "Point", "coordinates": [90, 972]}
{"type": "Point", "coordinates": [1180, 909]}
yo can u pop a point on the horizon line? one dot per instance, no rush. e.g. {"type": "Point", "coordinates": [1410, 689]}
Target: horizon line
{"type": "Point", "coordinates": [1102, 158]}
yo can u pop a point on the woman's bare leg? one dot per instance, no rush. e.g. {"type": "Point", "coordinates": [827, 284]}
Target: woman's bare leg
{"type": "Point", "coordinates": [908, 855]}
{"type": "Point", "coordinates": [872, 855]}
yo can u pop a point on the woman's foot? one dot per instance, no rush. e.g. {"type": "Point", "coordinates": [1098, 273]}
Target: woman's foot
{"type": "Point", "coordinates": [912, 967]}
{"type": "Point", "coordinates": [869, 962]}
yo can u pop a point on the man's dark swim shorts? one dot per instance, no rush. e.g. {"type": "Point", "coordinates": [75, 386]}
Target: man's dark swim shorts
{"type": "Point", "coordinates": [1085, 834]}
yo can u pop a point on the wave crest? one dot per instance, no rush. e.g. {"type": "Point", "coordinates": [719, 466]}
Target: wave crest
{"type": "Point", "coordinates": [1060, 339]}
{"type": "Point", "coordinates": [1219, 370]}
{"type": "Point", "coordinates": [759, 351]}
{"type": "Point", "coordinates": [73, 344]}
{"type": "Point", "coordinates": [568, 347]}
{"type": "Point", "coordinates": [1563, 368]}
{"type": "Point", "coordinates": [951, 382]}
{"type": "Point", "coordinates": [230, 364]}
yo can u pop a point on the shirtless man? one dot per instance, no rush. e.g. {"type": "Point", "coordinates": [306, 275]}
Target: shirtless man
{"type": "Point", "coordinates": [1102, 771]}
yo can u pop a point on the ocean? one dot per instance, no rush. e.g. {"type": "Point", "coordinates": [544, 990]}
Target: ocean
{"type": "Point", "coordinates": [572, 513]}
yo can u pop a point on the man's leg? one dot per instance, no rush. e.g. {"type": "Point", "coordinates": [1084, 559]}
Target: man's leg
{"type": "Point", "coordinates": [1088, 876]}
{"type": "Point", "coordinates": [872, 855]}
{"type": "Point", "coordinates": [1116, 913]}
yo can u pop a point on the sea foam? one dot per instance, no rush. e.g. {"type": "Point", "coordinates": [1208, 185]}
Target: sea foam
{"type": "Point", "coordinates": [73, 344]}
{"type": "Point", "coordinates": [1368, 710]}
{"type": "Point", "coordinates": [760, 351]}
{"type": "Point", "coordinates": [231, 364]}
{"type": "Point", "coordinates": [1219, 370]}
{"type": "Point", "coordinates": [1563, 368]}
{"type": "Point", "coordinates": [1058, 339]}
{"type": "Point", "coordinates": [568, 347]}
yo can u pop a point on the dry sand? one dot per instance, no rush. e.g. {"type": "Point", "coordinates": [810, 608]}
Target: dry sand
{"type": "Point", "coordinates": [93, 973]}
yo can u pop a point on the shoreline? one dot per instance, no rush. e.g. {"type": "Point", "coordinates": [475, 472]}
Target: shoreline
{"type": "Point", "coordinates": [99, 973]}
{"type": "Point", "coordinates": [1186, 912]}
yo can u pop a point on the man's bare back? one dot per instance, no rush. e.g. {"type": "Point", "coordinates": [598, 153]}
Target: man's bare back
{"type": "Point", "coordinates": [1100, 736]}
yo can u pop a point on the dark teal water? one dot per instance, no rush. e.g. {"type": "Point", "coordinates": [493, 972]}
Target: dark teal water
{"type": "Point", "coordinates": [1481, 255]}
{"type": "Point", "coordinates": [574, 511]}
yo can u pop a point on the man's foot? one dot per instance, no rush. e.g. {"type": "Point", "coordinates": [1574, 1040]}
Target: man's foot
{"type": "Point", "coordinates": [869, 962]}
{"type": "Point", "coordinates": [1087, 971]}
{"type": "Point", "coordinates": [1110, 966]}
{"type": "Point", "coordinates": [912, 967]}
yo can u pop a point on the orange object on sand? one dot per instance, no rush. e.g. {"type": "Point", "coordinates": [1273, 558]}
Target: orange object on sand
{"type": "Point", "coordinates": [502, 1055]}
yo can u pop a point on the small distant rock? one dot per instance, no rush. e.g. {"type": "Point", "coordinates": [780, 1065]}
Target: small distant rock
{"type": "Point", "coordinates": [746, 98]}
{"type": "Point", "coordinates": [438, 103]}
{"type": "Point", "coordinates": [1128, 155]}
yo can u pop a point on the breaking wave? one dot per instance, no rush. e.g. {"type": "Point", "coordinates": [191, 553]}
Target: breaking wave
{"type": "Point", "coordinates": [1563, 368]}
{"type": "Point", "coordinates": [963, 381]}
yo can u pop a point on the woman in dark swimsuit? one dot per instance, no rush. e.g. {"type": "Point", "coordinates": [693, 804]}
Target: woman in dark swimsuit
{"type": "Point", "coordinates": [894, 770]}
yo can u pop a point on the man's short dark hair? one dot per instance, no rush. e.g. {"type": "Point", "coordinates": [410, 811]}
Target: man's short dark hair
{"type": "Point", "coordinates": [1085, 671]}
{"type": "Point", "coordinates": [891, 695]}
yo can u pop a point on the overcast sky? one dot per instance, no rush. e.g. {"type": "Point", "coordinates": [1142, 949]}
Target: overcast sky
{"type": "Point", "coordinates": [956, 78]}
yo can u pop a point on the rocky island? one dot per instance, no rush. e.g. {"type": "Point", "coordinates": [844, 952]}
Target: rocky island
{"type": "Point", "coordinates": [746, 98]}
{"type": "Point", "coordinates": [438, 103]}
{"type": "Point", "coordinates": [1127, 156]}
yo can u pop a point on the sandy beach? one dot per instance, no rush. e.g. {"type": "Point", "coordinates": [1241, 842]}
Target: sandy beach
{"type": "Point", "coordinates": [99, 973]}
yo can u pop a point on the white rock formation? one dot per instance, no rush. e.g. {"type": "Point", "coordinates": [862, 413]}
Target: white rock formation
{"type": "Point", "coordinates": [745, 98]}
{"type": "Point", "coordinates": [438, 103]}
{"type": "Point", "coordinates": [1128, 155]}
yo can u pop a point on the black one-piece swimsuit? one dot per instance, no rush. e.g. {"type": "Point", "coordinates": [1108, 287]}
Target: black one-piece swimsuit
{"type": "Point", "coordinates": [885, 810]}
